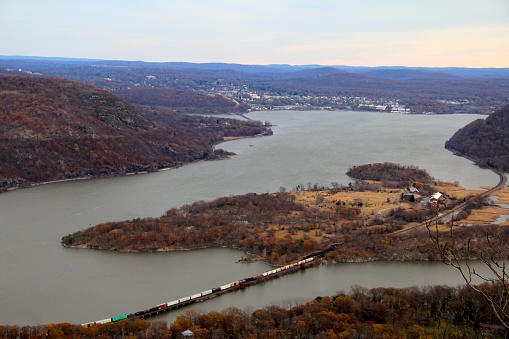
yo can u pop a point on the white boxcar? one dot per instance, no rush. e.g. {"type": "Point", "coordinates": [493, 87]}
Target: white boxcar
{"type": "Point", "coordinates": [184, 299]}
{"type": "Point", "coordinates": [104, 321]}
{"type": "Point", "coordinates": [171, 303]}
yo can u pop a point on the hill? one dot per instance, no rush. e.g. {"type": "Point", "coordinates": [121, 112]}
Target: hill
{"type": "Point", "coordinates": [182, 101]}
{"type": "Point", "coordinates": [405, 74]}
{"type": "Point", "coordinates": [485, 141]}
{"type": "Point", "coordinates": [54, 129]}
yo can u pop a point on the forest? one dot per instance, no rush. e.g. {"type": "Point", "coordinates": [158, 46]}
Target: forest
{"type": "Point", "coordinates": [485, 141]}
{"type": "Point", "coordinates": [54, 129]}
{"type": "Point", "coordinates": [390, 172]}
{"type": "Point", "coordinates": [414, 312]}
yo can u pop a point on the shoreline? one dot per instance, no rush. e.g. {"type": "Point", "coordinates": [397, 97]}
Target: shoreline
{"type": "Point", "coordinates": [91, 177]}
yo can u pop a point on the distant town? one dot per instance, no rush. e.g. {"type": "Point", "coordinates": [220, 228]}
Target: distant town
{"type": "Point", "coordinates": [284, 87]}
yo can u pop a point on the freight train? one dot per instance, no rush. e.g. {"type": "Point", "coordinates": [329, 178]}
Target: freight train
{"type": "Point", "coordinates": [194, 297]}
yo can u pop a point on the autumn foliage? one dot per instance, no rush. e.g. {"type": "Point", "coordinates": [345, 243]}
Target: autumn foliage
{"type": "Point", "coordinates": [239, 221]}
{"type": "Point", "coordinates": [414, 312]}
{"type": "Point", "coordinates": [55, 129]}
{"type": "Point", "coordinates": [185, 101]}
{"type": "Point", "coordinates": [390, 172]}
{"type": "Point", "coordinates": [485, 141]}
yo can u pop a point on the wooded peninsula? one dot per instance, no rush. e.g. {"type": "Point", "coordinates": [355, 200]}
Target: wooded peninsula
{"type": "Point", "coordinates": [364, 217]}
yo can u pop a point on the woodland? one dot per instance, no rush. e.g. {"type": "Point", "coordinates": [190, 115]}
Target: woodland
{"type": "Point", "coordinates": [285, 226]}
{"type": "Point", "coordinates": [485, 141]}
{"type": "Point", "coordinates": [182, 101]}
{"type": "Point", "coordinates": [415, 312]}
{"type": "Point", "coordinates": [54, 129]}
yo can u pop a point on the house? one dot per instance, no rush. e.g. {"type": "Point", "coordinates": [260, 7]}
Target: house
{"type": "Point", "coordinates": [412, 194]}
{"type": "Point", "coordinates": [437, 198]}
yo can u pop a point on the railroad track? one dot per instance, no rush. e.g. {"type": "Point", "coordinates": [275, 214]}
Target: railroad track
{"type": "Point", "coordinates": [502, 182]}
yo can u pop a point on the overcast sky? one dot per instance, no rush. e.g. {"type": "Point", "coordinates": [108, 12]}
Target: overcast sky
{"type": "Point", "coordinates": [437, 33]}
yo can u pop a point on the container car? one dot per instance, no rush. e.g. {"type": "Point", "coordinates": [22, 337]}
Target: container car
{"type": "Point", "coordinates": [120, 317]}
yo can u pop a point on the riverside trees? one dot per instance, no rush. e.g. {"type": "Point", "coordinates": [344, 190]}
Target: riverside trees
{"type": "Point", "coordinates": [414, 312]}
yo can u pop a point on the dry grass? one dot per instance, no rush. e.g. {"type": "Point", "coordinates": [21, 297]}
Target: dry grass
{"type": "Point", "coordinates": [489, 214]}
{"type": "Point", "coordinates": [456, 191]}
{"type": "Point", "coordinates": [503, 196]}
{"type": "Point", "coordinates": [371, 203]}
{"type": "Point", "coordinates": [300, 234]}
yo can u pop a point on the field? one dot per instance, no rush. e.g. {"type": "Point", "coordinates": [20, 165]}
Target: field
{"type": "Point", "coordinates": [377, 203]}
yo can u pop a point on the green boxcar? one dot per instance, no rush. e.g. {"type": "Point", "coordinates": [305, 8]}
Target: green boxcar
{"type": "Point", "coordinates": [120, 317]}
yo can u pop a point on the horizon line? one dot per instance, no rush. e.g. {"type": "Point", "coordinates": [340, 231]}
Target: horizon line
{"type": "Point", "coordinates": [36, 57]}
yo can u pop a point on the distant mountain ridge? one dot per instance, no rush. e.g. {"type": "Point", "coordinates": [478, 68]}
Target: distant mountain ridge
{"type": "Point", "coordinates": [408, 73]}
{"type": "Point", "coordinates": [388, 72]}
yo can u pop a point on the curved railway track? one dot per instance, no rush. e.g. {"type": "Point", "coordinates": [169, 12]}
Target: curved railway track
{"type": "Point", "coordinates": [502, 182]}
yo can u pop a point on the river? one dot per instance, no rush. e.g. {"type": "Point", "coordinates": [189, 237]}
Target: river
{"type": "Point", "coordinates": [42, 282]}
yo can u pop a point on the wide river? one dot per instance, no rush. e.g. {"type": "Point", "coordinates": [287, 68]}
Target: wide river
{"type": "Point", "coordinates": [41, 282]}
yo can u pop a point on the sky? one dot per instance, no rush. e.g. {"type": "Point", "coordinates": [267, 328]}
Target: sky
{"type": "Point", "coordinates": [430, 33]}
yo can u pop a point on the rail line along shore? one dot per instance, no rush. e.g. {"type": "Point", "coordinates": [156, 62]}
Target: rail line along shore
{"type": "Point", "coordinates": [308, 261]}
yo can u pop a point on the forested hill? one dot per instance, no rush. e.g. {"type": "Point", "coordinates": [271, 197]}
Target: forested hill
{"type": "Point", "coordinates": [485, 141]}
{"type": "Point", "coordinates": [182, 101]}
{"type": "Point", "coordinates": [54, 129]}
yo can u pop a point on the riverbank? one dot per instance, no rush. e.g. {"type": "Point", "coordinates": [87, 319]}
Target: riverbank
{"type": "Point", "coordinates": [367, 218]}
{"type": "Point", "coordinates": [219, 155]}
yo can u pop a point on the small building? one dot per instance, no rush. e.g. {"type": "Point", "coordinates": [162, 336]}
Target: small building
{"type": "Point", "coordinates": [412, 194]}
{"type": "Point", "coordinates": [437, 198]}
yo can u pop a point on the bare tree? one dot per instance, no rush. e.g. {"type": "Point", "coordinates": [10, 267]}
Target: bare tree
{"type": "Point", "coordinates": [491, 249]}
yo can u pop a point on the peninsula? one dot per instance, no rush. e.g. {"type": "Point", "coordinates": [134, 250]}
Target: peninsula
{"type": "Point", "coordinates": [364, 217]}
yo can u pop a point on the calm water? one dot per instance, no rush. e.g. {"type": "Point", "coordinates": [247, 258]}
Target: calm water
{"type": "Point", "coordinates": [42, 282]}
